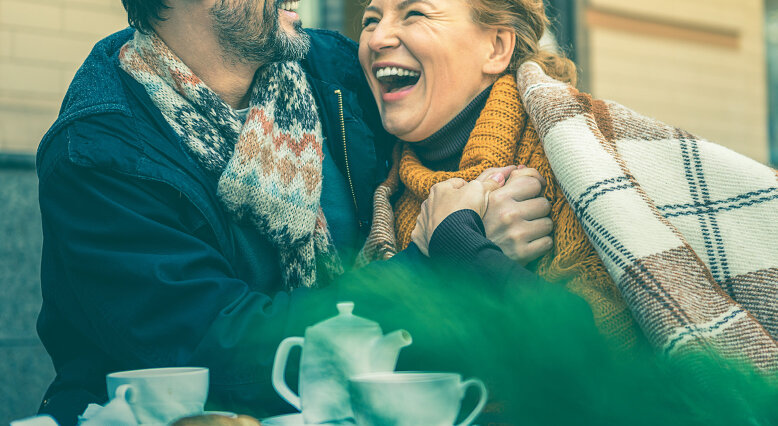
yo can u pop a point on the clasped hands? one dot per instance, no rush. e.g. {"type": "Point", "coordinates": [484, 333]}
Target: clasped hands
{"type": "Point", "coordinates": [510, 203]}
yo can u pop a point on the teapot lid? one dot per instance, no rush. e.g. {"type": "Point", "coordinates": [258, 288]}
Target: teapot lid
{"type": "Point", "coordinates": [346, 319]}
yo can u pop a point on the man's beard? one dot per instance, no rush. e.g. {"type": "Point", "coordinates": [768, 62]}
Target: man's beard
{"type": "Point", "coordinates": [246, 38]}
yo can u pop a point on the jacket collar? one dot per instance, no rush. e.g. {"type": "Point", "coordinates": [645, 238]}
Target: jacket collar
{"type": "Point", "coordinates": [96, 88]}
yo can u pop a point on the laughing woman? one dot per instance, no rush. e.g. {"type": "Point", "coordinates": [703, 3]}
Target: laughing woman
{"type": "Point", "coordinates": [441, 72]}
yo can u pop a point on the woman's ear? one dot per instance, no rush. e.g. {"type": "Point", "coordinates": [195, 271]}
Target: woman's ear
{"type": "Point", "coordinates": [503, 43]}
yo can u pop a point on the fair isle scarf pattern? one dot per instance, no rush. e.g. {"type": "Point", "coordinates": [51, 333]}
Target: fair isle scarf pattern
{"type": "Point", "coordinates": [686, 228]}
{"type": "Point", "coordinates": [269, 168]}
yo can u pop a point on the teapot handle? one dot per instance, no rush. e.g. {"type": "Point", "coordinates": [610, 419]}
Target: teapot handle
{"type": "Point", "coordinates": [279, 368]}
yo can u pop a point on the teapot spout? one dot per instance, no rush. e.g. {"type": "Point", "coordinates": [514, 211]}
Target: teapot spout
{"type": "Point", "coordinates": [387, 349]}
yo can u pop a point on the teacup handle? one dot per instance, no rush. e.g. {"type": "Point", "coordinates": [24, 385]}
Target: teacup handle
{"type": "Point", "coordinates": [480, 406]}
{"type": "Point", "coordinates": [124, 392]}
{"type": "Point", "coordinates": [279, 368]}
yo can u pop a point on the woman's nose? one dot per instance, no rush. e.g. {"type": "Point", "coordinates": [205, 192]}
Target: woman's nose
{"type": "Point", "coordinates": [383, 37]}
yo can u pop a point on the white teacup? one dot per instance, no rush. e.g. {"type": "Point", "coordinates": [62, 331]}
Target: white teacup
{"type": "Point", "coordinates": [412, 398]}
{"type": "Point", "coordinates": [161, 395]}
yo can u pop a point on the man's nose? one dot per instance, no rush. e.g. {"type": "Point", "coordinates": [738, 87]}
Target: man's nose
{"type": "Point", "coordinates": [384, 37]}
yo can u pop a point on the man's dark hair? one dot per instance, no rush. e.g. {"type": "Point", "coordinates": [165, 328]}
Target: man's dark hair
{"type": "Point", "coordinates": [142, 13]}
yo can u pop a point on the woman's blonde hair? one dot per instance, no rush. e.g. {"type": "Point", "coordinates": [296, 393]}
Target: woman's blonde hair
{"type": "Point", "coordinates": [528, 19]}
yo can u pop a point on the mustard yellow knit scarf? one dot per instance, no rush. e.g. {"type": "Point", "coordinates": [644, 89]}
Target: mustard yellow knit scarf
{"type": "Point", "coordinates": [504, 135]}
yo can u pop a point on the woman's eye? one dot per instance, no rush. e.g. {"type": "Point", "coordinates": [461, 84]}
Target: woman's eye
{"type": "Point", "coordinates": [413, 13]}
{"type": "Point", "coordinates": [369, 21]}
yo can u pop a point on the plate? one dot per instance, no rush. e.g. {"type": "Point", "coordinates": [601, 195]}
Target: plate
{"type": "Point", "coordinates": [285, 420]}
{"type": "Point", "coordinates": [296, 420]}
{"type": "Point", "coordinates": [229, 414]}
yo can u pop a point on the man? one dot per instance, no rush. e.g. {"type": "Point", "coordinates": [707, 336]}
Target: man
{"type": "Point", "coordinates": [209, 175]}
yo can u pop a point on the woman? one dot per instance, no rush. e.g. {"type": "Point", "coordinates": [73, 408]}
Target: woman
{"type": "Point", "coordinates": [441, 72]}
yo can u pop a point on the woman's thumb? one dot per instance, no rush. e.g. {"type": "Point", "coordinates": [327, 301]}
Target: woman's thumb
{"type": "Point", "coordinates": [494, 181]}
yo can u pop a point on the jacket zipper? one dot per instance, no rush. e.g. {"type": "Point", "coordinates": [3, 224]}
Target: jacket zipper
{"type": "Point", "coordinates": [345, 150]}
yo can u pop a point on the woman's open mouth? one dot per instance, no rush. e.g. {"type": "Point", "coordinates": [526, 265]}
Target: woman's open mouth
{"type": "Point", "coordinates": [396, 81]}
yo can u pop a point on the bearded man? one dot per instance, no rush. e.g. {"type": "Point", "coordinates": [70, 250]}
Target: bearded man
{"type": "Point", "coordinates": [210, 173]}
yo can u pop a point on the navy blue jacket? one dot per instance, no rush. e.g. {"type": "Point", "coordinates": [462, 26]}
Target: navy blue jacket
{"type": "Point", "coordinates": [141, 268]}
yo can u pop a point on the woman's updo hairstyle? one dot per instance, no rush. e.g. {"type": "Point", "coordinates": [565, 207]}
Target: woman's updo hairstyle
{"type": "Point", "coordinates": [528, 19]}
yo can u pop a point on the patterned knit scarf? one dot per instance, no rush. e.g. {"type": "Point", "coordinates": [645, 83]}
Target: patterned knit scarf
{"type": "Point", "coordinates": [503, 135]}
{"type": "Point", "coordinates": [269, 168]}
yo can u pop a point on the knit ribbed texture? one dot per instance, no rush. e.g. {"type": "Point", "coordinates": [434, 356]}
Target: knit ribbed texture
{"type": "Point", "coordinates": [453, 238]}
{"type": "Point", "coordinates": [504, 136]}
{"type": "Point", "coordinates": [443, 149]}
{"type": "Point", "coordinates": [269, 167]}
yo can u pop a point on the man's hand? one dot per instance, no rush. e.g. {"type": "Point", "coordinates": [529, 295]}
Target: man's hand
{"type": "Point", "coordinates": [517, 217]}
{"type": "Point", "coordinates": [448, 197]}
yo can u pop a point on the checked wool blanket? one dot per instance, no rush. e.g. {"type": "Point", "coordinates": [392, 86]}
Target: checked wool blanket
{"type": "Point", "coordinates": [687, 229]}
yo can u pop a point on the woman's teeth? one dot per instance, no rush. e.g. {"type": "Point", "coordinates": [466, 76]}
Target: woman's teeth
{"type": "Point", "coordinates": [290, 5]}
{"type": "Point", "coordinates": [394, 71]}
{"type": "Point", "coordinates": [395, 79]}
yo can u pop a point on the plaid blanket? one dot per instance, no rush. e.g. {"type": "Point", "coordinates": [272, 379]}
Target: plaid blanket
{"type": "Point", "coordinates": [687, 229]}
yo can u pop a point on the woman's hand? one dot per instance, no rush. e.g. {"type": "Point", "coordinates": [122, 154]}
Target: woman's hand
{"type": "Point", "coordinates": [448, 197]}
{"type": "Point", "coordinates": [517, 218]}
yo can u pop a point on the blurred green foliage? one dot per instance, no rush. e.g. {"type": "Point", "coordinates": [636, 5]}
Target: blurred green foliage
{"type": "Point", "coordinates": [545, 363]}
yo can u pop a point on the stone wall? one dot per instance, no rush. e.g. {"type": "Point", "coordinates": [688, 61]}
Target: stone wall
{"type": "Point", "coordinates": [25, 368]}
{"type": "Point", "coordinates": [42, 44]}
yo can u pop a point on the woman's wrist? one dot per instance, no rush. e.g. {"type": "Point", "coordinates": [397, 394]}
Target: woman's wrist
{"type": "Point", "coordinates": [460, 236]}
{"type": "Point", "coordinates": [460, 240]}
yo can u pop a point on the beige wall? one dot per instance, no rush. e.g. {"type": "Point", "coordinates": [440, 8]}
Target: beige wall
{"type": "Point", "coordinates": [697, 64]}
{"type": "Point", "coordinates": [42, 43]}
{"type": "Point", "coordinates": [716, 91]}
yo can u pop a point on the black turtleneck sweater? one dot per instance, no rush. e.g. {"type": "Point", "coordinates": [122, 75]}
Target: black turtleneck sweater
{"type": "Point", "coordinates": [443, 150]}
{"type": "Point", "coordinates": [461, 238]}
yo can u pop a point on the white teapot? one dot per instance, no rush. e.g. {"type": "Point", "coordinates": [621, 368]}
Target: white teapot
{"type": "Point", "coordinates": [333, 351]}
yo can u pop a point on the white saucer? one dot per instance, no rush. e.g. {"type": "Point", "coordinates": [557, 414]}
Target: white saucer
{"type": "Point", "coordinates": [229, 414]}
{"type": "Point", "coordinates": [285, 420]}
{"type": "Point", "coordinates": [295, 420]}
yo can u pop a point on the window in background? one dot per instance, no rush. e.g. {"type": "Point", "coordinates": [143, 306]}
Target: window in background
{"type": "Point", "coordinates": [309, 13]}
{"type": "Point", "coordinates": [771, 33]}
{"type": "Point", "coordinates": [326, 14]}
{"type": "Point", "coordinates": [332, 14]}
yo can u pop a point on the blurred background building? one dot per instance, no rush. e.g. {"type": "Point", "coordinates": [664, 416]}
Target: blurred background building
{"type": "Point", "coordinates": [709, 66]}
